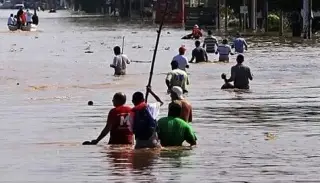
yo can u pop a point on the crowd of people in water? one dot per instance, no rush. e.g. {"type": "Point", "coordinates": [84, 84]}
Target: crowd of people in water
{"type": "Point", "coordinates": [140, 122]}
{"type": "Point", "coordinates": [23, 18]}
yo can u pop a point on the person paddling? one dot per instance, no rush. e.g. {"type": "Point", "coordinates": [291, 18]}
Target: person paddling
{"type": "Point", "coordinates": [117, 123]}
{"type": "Point", "coordinates": [240, 74]}
{"type": "Point", "coordinates": [120, 62]}
{"type": "Point", "coordinates": [143, 120]}
{"type": "Point", "coordinates": [199, 53]}
{"type": "Point", "coordinates": [224, 51]}
{"type": "Point", "coordinates": [239, 44]}
{"type": "Point", "coordinates": [173, 131]}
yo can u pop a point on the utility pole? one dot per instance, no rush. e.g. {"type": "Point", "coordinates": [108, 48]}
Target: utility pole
{"type": "Point", "coordinates": [218, 15]}
{"type": "Point", "coordinates": [310, 19]}
{"type": "Point", "coordinates": [266, 14]}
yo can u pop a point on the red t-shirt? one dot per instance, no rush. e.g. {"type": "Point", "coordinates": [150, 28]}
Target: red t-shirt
{"type": "Point", "coordinates": [120, 131]}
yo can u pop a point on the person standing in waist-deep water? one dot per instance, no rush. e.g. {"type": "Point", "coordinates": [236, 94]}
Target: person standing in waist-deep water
{"type": "Point", "coordinates": [177, 77]}
{"type": "Point", "coordinates": [181, 59]}
{"type": "Point", "coordinates": [117, 123]}
{"type": "Point", "coordinates": [210, 43]}
{"type": "Point", "coordinates": [35, 18]}
{"type": "Point", "coordinates": [224, 51]}
{"type": "Point", "coordinates": [240, 44]}
{"type": "Point", "coordinates": [199, 53]}
{"type": "Point", "coordinates": [177, 98]}
{"type": "Point", "coordinates": [11, 20]}
{"type": "Point", "coordinates": [173, 131]}
{"type": "Point", "coordinates": [240, 74]}
{"type": "Point", "coordinates": [120, 62]}
{"type": "Point", "coordinates": [196, 32]}
{"type": "Point", "coordinates": [143, 120]}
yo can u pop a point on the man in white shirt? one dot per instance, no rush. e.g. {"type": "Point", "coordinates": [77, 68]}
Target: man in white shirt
{"type": "Point", "coordinates": [181, 59]}
{"type": "Point", "coordinates": [224, 51]}
{"type": "Point", "coordinates": [11, 20]}
{"type": "Point", "coordinates": [120, 62]}
{"type": "Point", "coordinates": [29, 17]}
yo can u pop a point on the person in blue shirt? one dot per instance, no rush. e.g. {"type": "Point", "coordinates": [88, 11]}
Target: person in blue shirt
{"type": "Point", "coordinates": [239, 44]}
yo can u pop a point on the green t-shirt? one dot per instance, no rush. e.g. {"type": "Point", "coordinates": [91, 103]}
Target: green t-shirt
{"type": "Point", "coordinates": [173, 131]}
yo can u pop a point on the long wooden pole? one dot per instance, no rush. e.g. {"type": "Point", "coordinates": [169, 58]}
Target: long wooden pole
{"type": "Point", "coordinates": [156, 48]}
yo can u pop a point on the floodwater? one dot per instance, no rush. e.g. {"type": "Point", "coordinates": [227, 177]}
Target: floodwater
{"type": "Point", "coordinates": [47, 79]}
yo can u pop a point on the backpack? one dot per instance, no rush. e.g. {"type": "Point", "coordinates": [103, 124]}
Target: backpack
{"type": "Point", "coordinates": [144, 125]}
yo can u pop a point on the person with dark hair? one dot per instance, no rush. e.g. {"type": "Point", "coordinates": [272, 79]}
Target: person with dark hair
{"type": "Point", "coordinates": [210, 43]}
{"type": "Point", "coordinates": [240, 74]}
{"type": "Point", "coordinates": [143, 120]}
{"type": "Point", "coordinates": [177, 77]}
{"type": "Point", "coordinates": [224, 51]}
{"type": "Point", "coordinates": [118, 123]}
{"type": "Point", "coordinates": [35, 18]}
{"type": "Point", "coordinates": [199, 53]}
{"type": "Point", "coordinates": [240, 44]}
{"type": "Point", "coordinates": [120, 62]}
{"type": "Point", "coordinates": [19, 18]}
{"type": "Point", "coordinates": [11, 20]}
{"type": "Point", "coordinates": [173, 131]}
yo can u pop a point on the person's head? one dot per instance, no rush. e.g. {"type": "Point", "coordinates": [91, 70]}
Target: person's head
{"type": "Point", "coordinates": [240, 59]}
{"type": "Point", "coordinates": [182, 50]}
{"type": "Point", "coordinates": [174, 110]}
{"type": "Point", "coordinates": [176, 93]}
{"type": "Point", "coordinates": [117, 50]}
{"type": "Point", "coordinates": [223, 76]}
{"type": "Point", "coordinates": [224, 41]}
{"type": "Point", "coordinates": [197, 43]}
{"type": "Point", "coordinates": [119, 99]}
{"type": "Point", "coordinates": [11, 15]}
{"type": "Point", "coordinates": [196, 26]}
{"type": "Point", "coordinates": [174, 65]}
{"type": "Point", "coordinates": [238, 35]}
{"type": "Point", "coordinates": [137, 98]}
{"type": "Point", "coordinates": [209, 32]}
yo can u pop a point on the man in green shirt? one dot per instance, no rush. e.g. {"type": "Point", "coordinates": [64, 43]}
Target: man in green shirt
{"type": "Point", "coordinates": [173, 131]}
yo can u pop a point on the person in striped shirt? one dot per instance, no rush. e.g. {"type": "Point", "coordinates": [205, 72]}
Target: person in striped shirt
{"type": "Point", "coordinates": [210, 43]}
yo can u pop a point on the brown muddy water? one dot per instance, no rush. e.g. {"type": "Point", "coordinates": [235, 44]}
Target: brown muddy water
{"type": "Point", "coordinates": [45, 118]}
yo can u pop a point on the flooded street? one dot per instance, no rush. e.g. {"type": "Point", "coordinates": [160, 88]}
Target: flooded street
{"type": "Point", "coordinates": [47, 79]}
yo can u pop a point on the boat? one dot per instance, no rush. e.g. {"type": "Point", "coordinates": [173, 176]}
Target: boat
{"type": "Point", "coordinates": [30, 27]}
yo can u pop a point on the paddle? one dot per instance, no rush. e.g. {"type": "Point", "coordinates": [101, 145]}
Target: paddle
{"type": "Point", "coordinates": [156, 49]}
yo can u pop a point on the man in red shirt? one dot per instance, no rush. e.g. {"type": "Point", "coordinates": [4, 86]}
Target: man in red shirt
{"type": "Point", "coordinates": [117, 123]}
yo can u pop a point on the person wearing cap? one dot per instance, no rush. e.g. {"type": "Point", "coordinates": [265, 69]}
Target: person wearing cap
{"type": "Point", "coordinates": [210, 43]}
{"type": "Point", "coordinates": [177, 77]}
{"type": "Point", "coordinates": [177, 98]}
{"type": "Point", "coordinates": [196, 32]}
{"type": "Point", "coordinates": [224, 51]}
{"type": "Point", "coordinates": [181, 59]}
{"type": "Point", "coordinates": [173, 131]}
{"type": "Point", "coordinates": [240, 74]}
{"type": "Point", "coordinates": [239, 44]}
{"type": "Point", "coordinates": [199, 53]}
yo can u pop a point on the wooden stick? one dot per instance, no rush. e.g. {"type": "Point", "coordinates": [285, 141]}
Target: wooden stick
{"type": "Point", "coordinates": [156, 48]}
{"type": "Point", "coordinates": [122, 45]}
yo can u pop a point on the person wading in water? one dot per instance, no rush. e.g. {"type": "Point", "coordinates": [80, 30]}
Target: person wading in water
{"type": "Point", "coordinates": [199, 54]}
{"type": "Point", "coordinates": [177, 98]}
{"type": "Point", "coordinates": [240, 74]}
{"type": "Point", "coordinates": [117, 123]}
{"type": "Point", "coordinates": [120, 62]}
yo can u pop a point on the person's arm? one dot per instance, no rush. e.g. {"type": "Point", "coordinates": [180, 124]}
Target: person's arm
{"type": "Point", "coordinates": [192, 58]}
{"type": "Point", "coordinates": [230, 51]}
{"type": "Point", "coordinates": [245, 44]}
{"type": "Point", "coordinates": [128, 61]}
{"type": "Point", "coordinates": [190, 116]}
{"type": "Point", "coordinates": [186, 62]}
{"type": "Point", "coordinates": [204, 43]}
{"type": "Point", "coordinates": [154, 95]}
{"type": "Point", "coordinates": [114, 64]}
{"type": "Point", "coordinates": [206, 55]}
{"type": "Point", "coordinates": [249, 74]}
{"type": "Point", "coordinates": [232, 75]}
{"type": "Point", "coordinates": [168, 81]}
{"type": "Point", "coordinates": [104, 132]}
{"type": "Point", "coordinates": [190, 136]}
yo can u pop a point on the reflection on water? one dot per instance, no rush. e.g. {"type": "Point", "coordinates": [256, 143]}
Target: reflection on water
{"type": "Point", "coordinates": [268, 134]}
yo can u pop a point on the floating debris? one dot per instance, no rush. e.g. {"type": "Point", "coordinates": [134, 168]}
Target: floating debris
{"type": "Point", "coordinates": [88, 52]}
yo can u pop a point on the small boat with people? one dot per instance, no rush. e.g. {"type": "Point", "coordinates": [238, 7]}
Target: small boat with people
{"type": "Point", "coordinates": [25, 21]}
